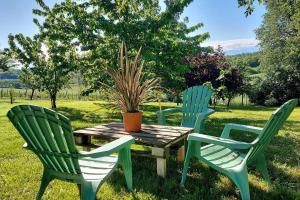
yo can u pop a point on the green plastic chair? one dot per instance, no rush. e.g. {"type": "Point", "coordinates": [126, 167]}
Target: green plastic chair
{"type": "Point", "coordinates": [49, 135]}
{"type": "Point", "coordinates": [194, 108]}
{"type": "Point", "coordinates": [224, 154]}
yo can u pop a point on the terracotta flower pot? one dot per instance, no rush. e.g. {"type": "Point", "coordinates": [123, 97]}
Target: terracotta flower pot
{"type": "Point", "coordinates": [132, 121]}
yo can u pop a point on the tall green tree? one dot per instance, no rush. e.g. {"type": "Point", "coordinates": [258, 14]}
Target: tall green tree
{"type": "Point", "coordinates": [100, 26]}
{"type": "Point", "coordinates": [279, 37]}
{"type": "Point", "coordinates": [50, 55]}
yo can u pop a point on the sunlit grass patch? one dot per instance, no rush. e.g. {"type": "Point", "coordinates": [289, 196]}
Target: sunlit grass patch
{"type": "Point", "coordinates": [20, 170]}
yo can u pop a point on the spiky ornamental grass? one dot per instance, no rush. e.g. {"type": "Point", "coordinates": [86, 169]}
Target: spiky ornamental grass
{"type": "Point", "coordinates": [130, 91]}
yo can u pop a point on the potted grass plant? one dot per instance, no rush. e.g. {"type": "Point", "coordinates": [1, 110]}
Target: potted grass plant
{"type": "Point", "coordinates": [130, 91]}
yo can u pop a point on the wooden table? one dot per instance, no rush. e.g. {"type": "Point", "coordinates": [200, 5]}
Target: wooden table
{"type": "Point", "coordinates": [158, 138]}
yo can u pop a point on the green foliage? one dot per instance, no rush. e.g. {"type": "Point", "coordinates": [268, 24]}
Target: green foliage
{"type": "Point", "coordinates": [6, 61]}
{"type": "Point", "coordinates": [245, 61]}
{"type": "Point", "coordinates": [249, 5]}
{"type": "Point", "coordinates": [99, 26]}
{"type": "Point", "coordinates": [50, 56]}
{"type": "Point", "coordinates": [30, 79]}
{"type": "Point", "coordinates": [280, 85]}
{"type": "Point", "coordinates": [280, 59]}
{"type": "Point", "coordinates": [279, 35]}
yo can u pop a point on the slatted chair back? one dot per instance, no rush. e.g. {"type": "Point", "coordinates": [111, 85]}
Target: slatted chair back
{"type": "Point", "coordinates": [271, 128]}
{"type": "Point", "coordinates": [49, 135]}
{"type": "Point", "coordinates": [194, 100]}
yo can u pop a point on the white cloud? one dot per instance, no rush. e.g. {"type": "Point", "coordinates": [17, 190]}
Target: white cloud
{"type": "Point", "coordinates": [236, 44]}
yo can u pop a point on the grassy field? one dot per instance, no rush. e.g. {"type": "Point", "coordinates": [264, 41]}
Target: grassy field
{"type": "Point", "coordinates": [20, 170]}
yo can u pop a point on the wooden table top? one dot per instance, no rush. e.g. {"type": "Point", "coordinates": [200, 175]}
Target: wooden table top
{"type": "Point", "coordinates": [150, 135]}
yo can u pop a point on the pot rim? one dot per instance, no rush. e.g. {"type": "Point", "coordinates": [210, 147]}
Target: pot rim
{"type": "Point", "coordinates": [140, 111]}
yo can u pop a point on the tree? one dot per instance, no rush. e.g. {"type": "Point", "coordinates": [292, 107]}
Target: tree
{"type": "Point", "coordinates": [279, 37]}
{"type": "Point", "coordinates": [233, 82]}
{"type": "Point", "coordinates": [50, 55]}
{"type": "Point", "coordinates": [213, 68]}
{"type": "Point", "coordinates": [206, 67]}
{"type": "Point", "coordinates": [30, 80]}
{"type": "Point", "coordinates": [100, 26]}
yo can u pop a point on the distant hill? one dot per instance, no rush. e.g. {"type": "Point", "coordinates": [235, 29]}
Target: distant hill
{"type": "Point", "coordinates": [8, 76]}
{"type": "Point", "coordinates": [9, 79]}
{"type": "Point", "coordinates": [249, 61]}
{"type": "Point", "coordinates": [245, 50]}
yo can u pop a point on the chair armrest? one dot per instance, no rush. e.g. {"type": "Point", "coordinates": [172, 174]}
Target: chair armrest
{"type": "Point", "coordinates": [171, 110]}
{"type": "Point", "coordinates": [233, 144]}
{"type": "Point", "coordinates": [109, 148]}
{"type": "Point", "coordinates": [205, 114]}
{"type": "Point", "coordinates": [161, 114]}
{"type": "Point", "coordinates": [239, 127]}
{"type": "Point", "coordinates": [199, 126]}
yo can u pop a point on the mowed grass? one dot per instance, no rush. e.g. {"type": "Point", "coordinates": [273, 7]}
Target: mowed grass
{"type": "Point", "coordinates": [20, 170]}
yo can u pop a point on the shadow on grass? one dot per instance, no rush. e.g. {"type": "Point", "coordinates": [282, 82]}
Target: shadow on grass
{"type": "Point", "coordinates": [94, 116]}
{"type": "Point", "coordinates": [202, 183]}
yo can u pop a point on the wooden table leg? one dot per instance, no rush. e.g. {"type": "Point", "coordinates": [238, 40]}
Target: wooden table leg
{"type": "Point", "coordinates": [161, 160]}
{"type": "Point", "coordinates": [85, 141]}
{"type": "Point", "coordinates": [182, 150]}
{"type": "Point", "coordinates": [181, 153]}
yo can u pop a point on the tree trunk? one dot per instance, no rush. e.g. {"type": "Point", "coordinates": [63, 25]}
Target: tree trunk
{"type": "Point", "coordinates": [243, 99]}
{"type": "Point", "coordinates": [215, 103]}
{"type": "Point", "coordinates": [177, 99]}
{"type": "Point", "coordinates": [32, 93]}
{"type": "Point", "coordinates": [53, 101]}
{"type": "Point", "coordinates": [11, 95]}
{"type": "Point", "coordinates": [228, 102]}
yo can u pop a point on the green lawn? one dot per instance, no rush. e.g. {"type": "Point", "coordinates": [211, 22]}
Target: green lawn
{"type": "Point", "coordinates": [20, 170]}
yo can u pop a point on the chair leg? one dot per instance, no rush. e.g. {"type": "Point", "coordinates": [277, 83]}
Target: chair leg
{"type": "Point", "coordinates": [186, 144]}
{"type": "Point", "coordinates": [186, 165]}
{"type": "Point", "coordinates": [79, 188]}
{"type": "Point", "coordinates": [125, 157]}
{"type": "Point", "coordinates": [261, 166]}
{"type": "Point", "coordinates": [241, 180]}
{"type": "Point", "coordinates": [46, 179]}
{"type": "Point", "coordinates": [202, 127]}
{"type": "Point", "coordinates": [88, 190]}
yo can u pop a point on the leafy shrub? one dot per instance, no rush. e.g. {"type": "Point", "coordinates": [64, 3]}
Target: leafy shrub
{"type": "Point", "coordinates": [281, 85]}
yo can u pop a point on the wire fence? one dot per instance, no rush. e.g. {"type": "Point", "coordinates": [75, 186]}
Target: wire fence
{"type": "Point", "coordinates": [8, 93]}
{"type": "Point", "coordinates": [13, 94]}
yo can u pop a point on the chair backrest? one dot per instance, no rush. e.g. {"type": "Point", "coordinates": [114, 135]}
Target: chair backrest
{"type": "Point", "coordinates": [49, 135]}
{"type": "Point", "coordinates": [194, 100]}
{"type": "Point", "coordinates": [271, 128]}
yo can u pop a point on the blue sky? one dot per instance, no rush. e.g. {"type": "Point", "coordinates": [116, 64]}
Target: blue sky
{"type": "Point", "coordinates": [225, 22]}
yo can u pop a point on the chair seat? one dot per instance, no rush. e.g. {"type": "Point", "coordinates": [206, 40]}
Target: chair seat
{"type": "Point", "coordinates": [221, 156]}
{"type": "Point", "coordinates": [97, 168]}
